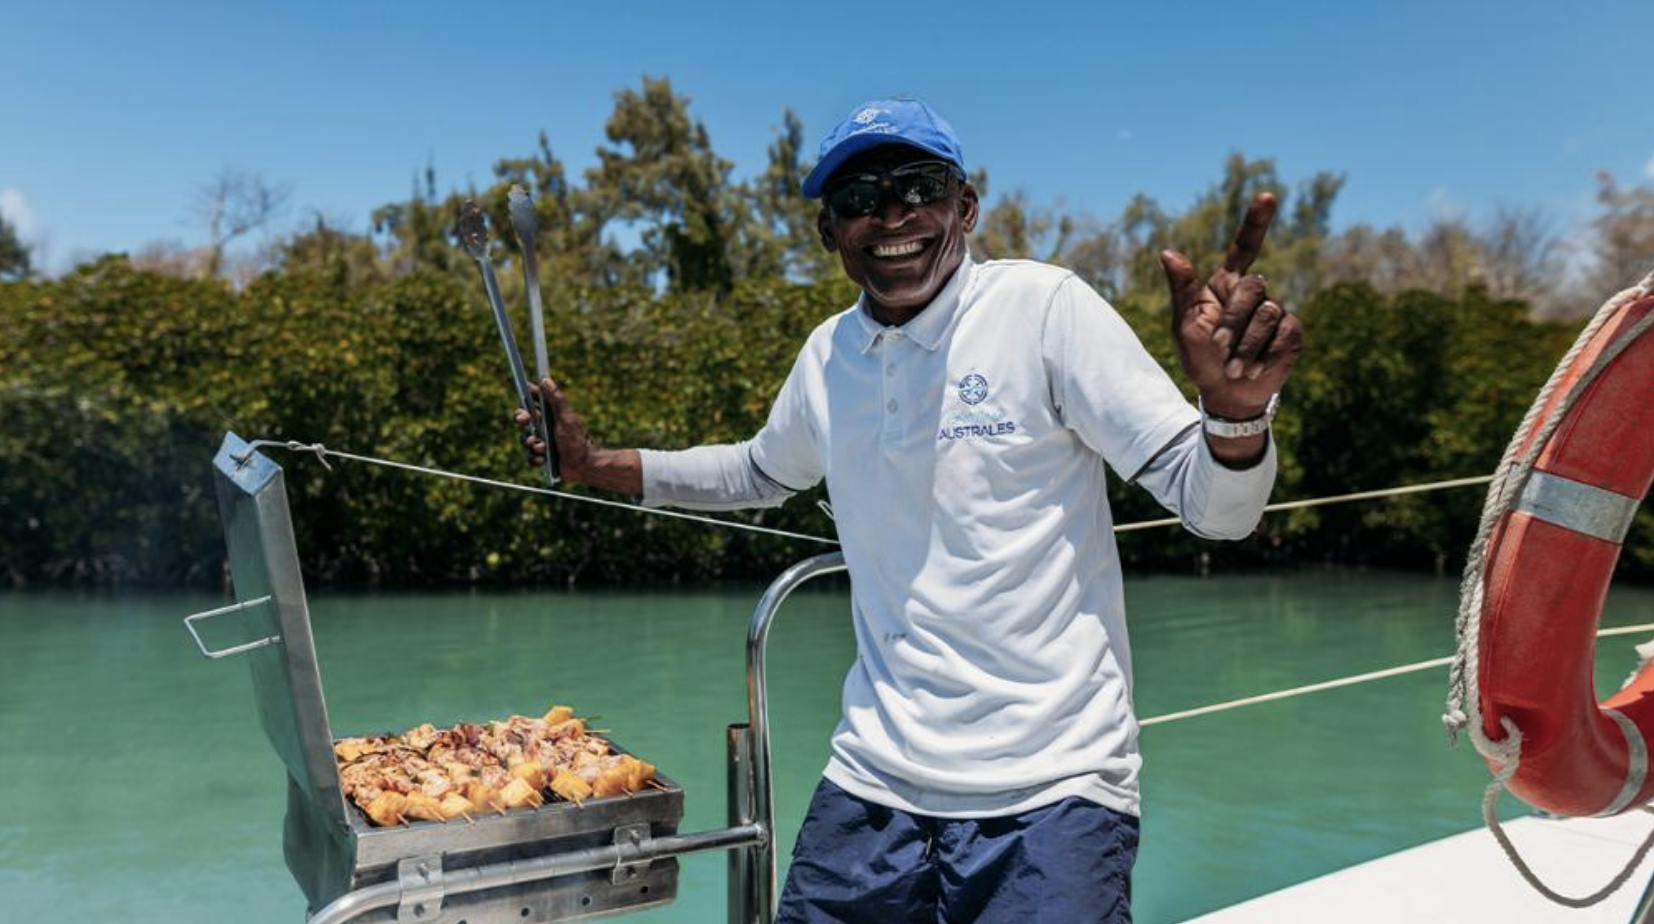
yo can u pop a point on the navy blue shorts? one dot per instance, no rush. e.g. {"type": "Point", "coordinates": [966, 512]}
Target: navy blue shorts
{"type": "Point", "coordinates": [860, 863]}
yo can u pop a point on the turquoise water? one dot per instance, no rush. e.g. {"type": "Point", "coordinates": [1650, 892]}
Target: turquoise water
{"type": "Point", "coordinates": [139, 788]}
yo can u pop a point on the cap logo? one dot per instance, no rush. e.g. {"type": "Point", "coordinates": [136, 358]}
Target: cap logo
{"type": "Point", "coordinates": [867, 120]}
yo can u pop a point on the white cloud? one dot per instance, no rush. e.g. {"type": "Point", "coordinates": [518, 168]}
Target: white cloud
{"type": "Point", "coordinates": [17, 212]}
{"type": "Point", "coordinates": [1443, 206]}
{"type": "Point", "coordinates": [1649, 167]}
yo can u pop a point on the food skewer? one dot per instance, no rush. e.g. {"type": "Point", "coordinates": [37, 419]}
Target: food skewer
{"type": "Point", "coordinates": [431, 774]}
{"type": "Point", "coordinates": [473, 233]}
{"type": "Point", "coordinates": [527, 225]}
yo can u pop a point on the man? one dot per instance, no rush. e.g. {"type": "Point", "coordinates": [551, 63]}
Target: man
{"type": "Point", "coordinates": [986, 765]}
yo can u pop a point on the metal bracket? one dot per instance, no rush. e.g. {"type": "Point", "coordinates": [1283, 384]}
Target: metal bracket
{"type": "Point", "coordinates": [190, 621]}
{"type": "Point", "coordinates": [421, 882]}
{"type": "Point", "coordinates": [629, 840]}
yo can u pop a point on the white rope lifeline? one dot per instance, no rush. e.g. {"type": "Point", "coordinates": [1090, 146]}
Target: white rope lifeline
{"type": "Point", "coordinates": [1334, 499]}
{"type": "Point", "coordinates": [322, 453]}
{"type": "Point", "coordinates": [1351, 680]}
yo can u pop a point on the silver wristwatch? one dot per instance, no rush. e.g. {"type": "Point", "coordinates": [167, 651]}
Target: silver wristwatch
{"type": "Point", "coordinates": [1236, 429]}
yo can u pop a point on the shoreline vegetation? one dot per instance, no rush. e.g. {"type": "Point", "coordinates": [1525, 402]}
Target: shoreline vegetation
{"type": "Point", "coordinates": [119, 377]}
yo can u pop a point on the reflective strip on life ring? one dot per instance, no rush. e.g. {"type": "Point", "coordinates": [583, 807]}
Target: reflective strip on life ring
{"type": "Point", "coordinates": [1638, 770]}
{"type": "Point", "coordinates": [1549, 564]}
{"type": "Point", "coordinates": [1578, 506]}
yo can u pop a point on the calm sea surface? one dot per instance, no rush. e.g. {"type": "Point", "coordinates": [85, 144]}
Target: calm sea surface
{"type": "Point", "coordinates": [138, 787]}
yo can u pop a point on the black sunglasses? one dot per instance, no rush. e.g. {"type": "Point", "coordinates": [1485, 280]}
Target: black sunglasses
{"type": "Point", "coordinates": [860, 194]}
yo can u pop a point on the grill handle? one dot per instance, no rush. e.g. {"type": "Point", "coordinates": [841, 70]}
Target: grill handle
{"type": "Point", "coordinates": [192, 619]}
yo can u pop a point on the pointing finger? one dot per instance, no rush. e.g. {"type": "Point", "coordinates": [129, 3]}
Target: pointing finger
{"type": "Point", "coordinates": [1248, 242]}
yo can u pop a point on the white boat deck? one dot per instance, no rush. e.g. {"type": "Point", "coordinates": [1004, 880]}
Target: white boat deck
{"type": "Point", "coordinates": [1466, 879]}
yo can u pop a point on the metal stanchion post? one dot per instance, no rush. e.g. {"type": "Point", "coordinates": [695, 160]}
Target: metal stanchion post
{"type": "Point", "coordinates": [743, 863]}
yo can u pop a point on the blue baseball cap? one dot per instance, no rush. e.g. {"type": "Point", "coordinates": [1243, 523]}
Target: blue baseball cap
{"type": "Point", "coordinates": [902, 120]}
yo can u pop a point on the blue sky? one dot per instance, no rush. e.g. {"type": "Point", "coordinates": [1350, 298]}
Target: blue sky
{"type": "Point", "coordinates": [117, 113]}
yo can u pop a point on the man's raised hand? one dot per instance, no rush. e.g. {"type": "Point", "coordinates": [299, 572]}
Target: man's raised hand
{"type": "Point", "coordinates": [1236, 343]}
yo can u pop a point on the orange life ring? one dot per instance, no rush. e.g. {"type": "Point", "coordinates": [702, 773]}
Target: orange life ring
{"type": "Point", "coordinates": [1549, 563]}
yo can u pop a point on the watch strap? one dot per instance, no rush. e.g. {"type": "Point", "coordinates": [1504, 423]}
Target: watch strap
{"type": "Point", "coordinates": [1238, 429]}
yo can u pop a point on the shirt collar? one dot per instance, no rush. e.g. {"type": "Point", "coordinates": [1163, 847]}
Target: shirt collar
{"type": "Point", "coordinates": [931, 325]}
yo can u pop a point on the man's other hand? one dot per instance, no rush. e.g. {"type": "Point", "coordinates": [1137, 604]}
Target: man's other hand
{"type": "Point", "coordinates": [1236, 343]}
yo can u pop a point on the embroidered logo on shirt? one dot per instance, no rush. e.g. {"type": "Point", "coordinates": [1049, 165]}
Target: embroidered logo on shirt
{"type": "Point", "coordinates": [974, 421]}
{"type": "Point", "coordinates": [964, 427]}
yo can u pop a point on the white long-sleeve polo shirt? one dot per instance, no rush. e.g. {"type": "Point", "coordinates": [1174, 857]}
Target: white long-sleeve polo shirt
{"type": "Point", "coordinates": [964, 453]}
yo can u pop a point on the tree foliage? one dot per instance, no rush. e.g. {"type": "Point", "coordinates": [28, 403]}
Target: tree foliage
{"type": "Point", "coordinates": [15, 256]}
{"type": "Point", "coordinates": [117, 381]}
{"type": "Point", "coordinates": [659, 170]}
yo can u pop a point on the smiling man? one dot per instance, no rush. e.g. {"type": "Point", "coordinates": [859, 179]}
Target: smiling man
{"type": "Point", "coordinates": [961, 413]}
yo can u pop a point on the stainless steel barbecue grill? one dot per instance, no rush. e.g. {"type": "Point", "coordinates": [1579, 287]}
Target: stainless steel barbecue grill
{"type": "Point", "coordinates": [559, 862]}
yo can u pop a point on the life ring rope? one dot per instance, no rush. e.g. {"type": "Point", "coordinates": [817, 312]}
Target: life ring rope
{"type": "Point", "coordinates": [1572, 505]}
{"type": "Point", "coordinates": [1490, 815]}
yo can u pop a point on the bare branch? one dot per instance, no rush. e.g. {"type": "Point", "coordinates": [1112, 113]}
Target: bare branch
{"type": "Point", "coordinates": [1519, 254]}
{"type": "Point", "coordinates": [233, 204]}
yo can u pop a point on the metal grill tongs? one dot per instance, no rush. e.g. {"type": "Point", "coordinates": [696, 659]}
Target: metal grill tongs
{"type": "Point", "coordinates": [473, 234]}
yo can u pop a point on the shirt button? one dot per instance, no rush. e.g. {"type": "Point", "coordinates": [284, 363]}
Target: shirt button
{"type": "Point", "coordinates": [891, 406]}
{"type": "Point", "coordinates": [890, 371]}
